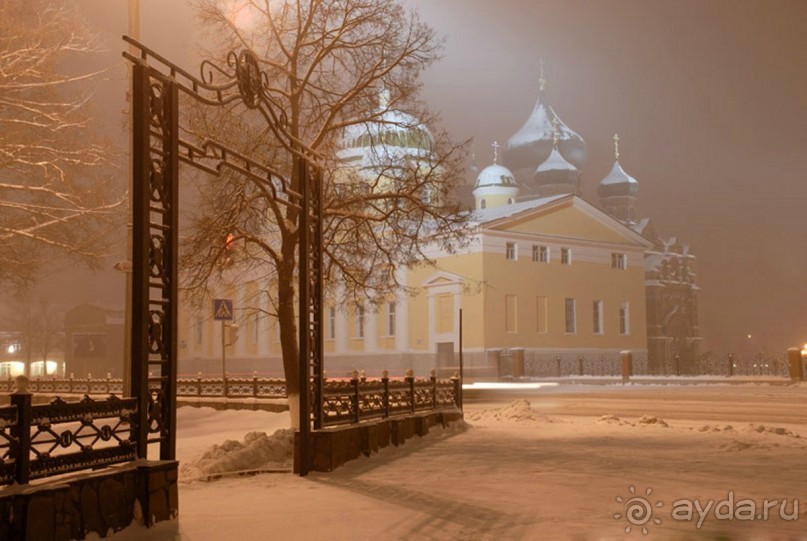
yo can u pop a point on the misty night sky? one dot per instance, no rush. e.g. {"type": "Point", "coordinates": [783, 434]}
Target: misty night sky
{"type": "Point", "coordinates": [709, 99]}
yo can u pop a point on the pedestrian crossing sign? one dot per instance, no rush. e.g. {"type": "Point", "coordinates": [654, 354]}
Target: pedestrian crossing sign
{"type": "Point", "coordinates": [223, 309]}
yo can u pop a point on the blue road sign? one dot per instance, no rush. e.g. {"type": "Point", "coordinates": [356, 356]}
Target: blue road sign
{"type": "Point", "coordinates": [223, 309]}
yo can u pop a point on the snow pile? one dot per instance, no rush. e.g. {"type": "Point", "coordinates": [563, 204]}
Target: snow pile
{"type": "Point", "coordinates": [776, 430]}
{"type": "Point", "coordinates": [644, 420]}
{"type": "Point", "coordinates": [715, 428]}
{"type": "Point", "coordinates": [651, 420]}
{"type": "Point", "coordinates": [257, 452]}
{"type": "Point", "coordinates": [519, 412]}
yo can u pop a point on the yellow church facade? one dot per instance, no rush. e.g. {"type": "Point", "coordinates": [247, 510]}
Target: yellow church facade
{"type": "Point", "coordinates": [550, 278]}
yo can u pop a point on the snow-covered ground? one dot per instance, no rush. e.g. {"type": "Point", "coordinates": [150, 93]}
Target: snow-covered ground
{"type": "Point", "coordinates": [552, 463]}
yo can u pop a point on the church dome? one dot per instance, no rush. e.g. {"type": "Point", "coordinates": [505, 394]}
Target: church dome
{"type": "Point", "coordinates": [533, 142]}
{"type": "Point", "coordinates": [393, 128]}
{"type": "Point", "coordinates": [393, 134]}
{"type": "Point", "coordinates": [617, 183]}
{"type": "Point", "coordinates": [495, 175]}
{"type": "Point", "coordinates": [556, 176]}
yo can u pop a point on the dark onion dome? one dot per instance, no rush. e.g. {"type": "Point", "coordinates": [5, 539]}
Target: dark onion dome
{"type": "Point", "coordinates": [617, 184]}
{"type": "Point", "coordinates": [533, 143]}
{"type": "Point", "coordinates": [556, 175]}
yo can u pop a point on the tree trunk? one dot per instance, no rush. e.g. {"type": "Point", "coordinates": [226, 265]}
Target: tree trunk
{"type": "Point", "coordinates": [286, 315]}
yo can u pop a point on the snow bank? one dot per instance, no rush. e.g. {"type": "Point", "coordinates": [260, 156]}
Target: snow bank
{"type": "Point", "coordinates": [258, 452]}
{"type": "Point", "coordinates": [518, 412]}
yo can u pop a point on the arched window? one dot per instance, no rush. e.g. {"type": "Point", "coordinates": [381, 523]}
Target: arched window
{"type": "Point", "coordinates": [483, 204]}
{"type": "Point", "coordinates": [509, 200]}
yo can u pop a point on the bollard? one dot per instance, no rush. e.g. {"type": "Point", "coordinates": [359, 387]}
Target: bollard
{"type": "Point", "coordinates": [731, 365]}
{"type": "Point", "coordinates": [796, 366]}
{"type": "Point", "coordinates": [627, 365]}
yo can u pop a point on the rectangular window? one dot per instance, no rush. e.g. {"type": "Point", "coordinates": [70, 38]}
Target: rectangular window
{"type": "Point", "coordinates": [540, 254]}
{"type": "Point", "coordinates": [332, 323]}
{"type": "Point", "coordinates": [619, 261]}
{"type": "Point", "coordinates": [510, 323]}
{"type": "Point", "coordinates": [598, 326]}
{"type": "Point", "coordinates": [624, 319]}
{"type": "Point", "coordinates": [391, 319]}
{"type": "Point", "coordinates": [360, 322]}
{"type": "Point", "coordinates": [198, 331]}
{"type": "Point", "coordinates": [540, 314]}
{"type": "Point", "coordinates": [571, 317]}
{"type": "Point", "coordinates": [565, 256]}
{"type": "Point", "coordinates": [510, 250]}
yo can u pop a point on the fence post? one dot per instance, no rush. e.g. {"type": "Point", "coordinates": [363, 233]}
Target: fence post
{"type": "Point", "coordinates": [557, 363]}
{"type": "Point", "coordinates": [108, 384]}
{"type": "Point", "coordinates": [433, 377]}
{"type": "Point", "coordinates": [579, 365]}
{"type": "Point", "coordinates": [226, 393]}
{"type": "Point", "coordinates": [385, 382]}
{"type": "Point", "coordinates": [255, 383]}
{"type": "Point", "coordinates": [677, 365]}
{"type": "Point", "coordinates": [70, 384]}
{"type": "Point", "coordinates": [457, 390]}
{"type": "Point", "coordinates": [354, 398]}
{"type": "Point", "coordinates": [21, 398]}
{"type": "Point", "coordinates": [198, 384]}
{"type": "Point", "coordinates": [627, 365]}
{"type": "Point", "coordinates": [410, 379]}
{"type": "Point", "coordinates": [796, 366]}
{"type": "Point", "coordinates": [731, 365]}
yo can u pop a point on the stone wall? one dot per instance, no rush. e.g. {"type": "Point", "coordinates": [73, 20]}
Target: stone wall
{"type": "Point", "coordinates": [98, 503]}
{"type": "Point", "coordinates": [332, 447]}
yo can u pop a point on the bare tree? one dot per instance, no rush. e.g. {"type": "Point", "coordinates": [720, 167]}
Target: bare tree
{"type": "Point", "coordinates": [339, 74]}
{"type": "Point", "coordinates": [38, 325]}
{"type": "Point", "coordinates": [52, 199]}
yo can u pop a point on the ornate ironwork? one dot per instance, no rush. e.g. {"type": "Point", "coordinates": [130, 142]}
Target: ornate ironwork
{"type": "Point", "coordinates": [356, 400]}
{"type": "Point", "coordinates": [158, 150]}
{"type": "Point", "coordinates": [8, 444]}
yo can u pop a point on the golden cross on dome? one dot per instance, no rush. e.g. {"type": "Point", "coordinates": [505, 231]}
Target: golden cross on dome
{"type": "Point", "coordinates": [616, 146]}
{"type": "Point", "coordinates": [542, 78]}
{"type": "Point", "coordinates": [495, 146]}
{"type": "Point", "coordinates": [555, 132]}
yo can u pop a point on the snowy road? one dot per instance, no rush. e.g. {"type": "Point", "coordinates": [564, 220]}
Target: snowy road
{"type": "Point", "coordinates": [553, 471]}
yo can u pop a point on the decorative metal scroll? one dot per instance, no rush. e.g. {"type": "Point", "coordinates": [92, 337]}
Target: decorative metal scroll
{"type": "Point", "coordinates": [67, 437]}
{"type": "Point", "coordinates": [8, 444]}
{"type": "Point", "coordinates": [158, 149]}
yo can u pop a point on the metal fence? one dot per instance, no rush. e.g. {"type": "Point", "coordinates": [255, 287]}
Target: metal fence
{"type": "Point", "coordinates": [61, 437]}
{"type": "Point", "coordinates": [360, 399]}
{"type": "Point", "coordinates": [558, 366]}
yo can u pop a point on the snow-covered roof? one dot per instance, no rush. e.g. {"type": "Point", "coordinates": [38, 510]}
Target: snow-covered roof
{"type": "Point", "coordinates": [392, 128]}
{"type": "Point", "coordinates": [617, 183]}
{"type": "Point", "coordinates": [495, 175]}
{"type": "Point", "coordinates": [619, 176]}
{"type": "Point", "coordinates": [482, 216]}
{"type": "Point", "coordinates": [555, 162]}
{"type": "Point", "coordinates": [538, 127]}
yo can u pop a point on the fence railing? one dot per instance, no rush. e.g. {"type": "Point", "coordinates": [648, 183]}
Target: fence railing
{"type": "Point", "coordinates": [254, 387]}
{"type": "Point", "coordinates": [729, 366]}
{"type": "Point", "coordinates": [61, 437]}
{"type": "Point", "coordinates": [360, 399]}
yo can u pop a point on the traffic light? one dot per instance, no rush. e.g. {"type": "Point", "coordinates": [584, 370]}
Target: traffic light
{"type": "Point", "coordinates": [233, 333]}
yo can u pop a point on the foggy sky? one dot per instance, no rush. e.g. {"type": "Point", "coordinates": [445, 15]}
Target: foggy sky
{"type": "Point", "coordinates": [709, 99]}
